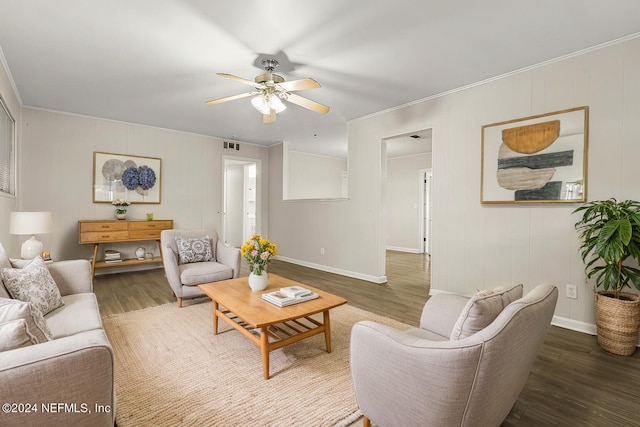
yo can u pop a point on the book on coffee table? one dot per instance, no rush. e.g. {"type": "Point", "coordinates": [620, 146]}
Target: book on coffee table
{"type": "Point", "coordinates": [295, 291]}
{"type": "Point", "coordinates": [281, 299]}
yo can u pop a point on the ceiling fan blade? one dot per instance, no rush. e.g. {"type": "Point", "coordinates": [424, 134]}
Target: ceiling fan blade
{"type": "Point", "coordinates": [268, 118]}
{"type": "Point", "coordinates": [307, 103]}
{"type": "Point", "coordinates": [230, 98]}
{"type": "Point", "coordinates": [302, 84]}
{"type": "Point", "coordinates": [239, 79]}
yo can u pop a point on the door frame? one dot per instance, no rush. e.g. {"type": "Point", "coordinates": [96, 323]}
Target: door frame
{"type": "Point", "coordinates": [424, 217]}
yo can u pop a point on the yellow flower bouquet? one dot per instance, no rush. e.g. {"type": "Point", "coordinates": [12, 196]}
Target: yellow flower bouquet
{"type": "Point", "coordinates": [258, 253]}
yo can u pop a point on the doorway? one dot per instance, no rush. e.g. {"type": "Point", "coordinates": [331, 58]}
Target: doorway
{"type": "Point", "coordinates": [407, 197]}
{"type": "Point", "coordinates": [407, 183]}
{"type": "Point", "coordinates": [240, 200]}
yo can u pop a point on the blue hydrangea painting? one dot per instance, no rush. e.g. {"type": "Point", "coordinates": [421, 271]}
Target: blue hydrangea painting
{"type": "Point", "coordinates": [132, 178]}
{"type": "Point", "coordinates": [143, 177]}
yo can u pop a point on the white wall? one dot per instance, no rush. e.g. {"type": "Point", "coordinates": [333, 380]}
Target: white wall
{"type": "Point", "coordinates": [479, 246]}
{"type": "Point", "coordinates": [312, 176]}
{"type": "Point", "coordinates": [56, 174]}
{"type": "Point", "coordinates": [403, 190]}
{"type": "Point", "coordinates": [302, 228]}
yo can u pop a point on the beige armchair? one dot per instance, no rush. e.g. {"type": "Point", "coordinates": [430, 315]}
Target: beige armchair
{"type": "Point", "coordinates": [451, 374]}
{"type": "Point", "coordinates": [186, 267]}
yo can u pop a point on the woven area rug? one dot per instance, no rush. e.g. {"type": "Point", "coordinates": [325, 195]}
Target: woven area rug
{"type": "Point", "coordinates": [171, 370]}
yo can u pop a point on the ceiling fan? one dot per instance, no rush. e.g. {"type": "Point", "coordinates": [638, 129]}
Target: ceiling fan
{"type": "Point", "coordinates": [271, 89]}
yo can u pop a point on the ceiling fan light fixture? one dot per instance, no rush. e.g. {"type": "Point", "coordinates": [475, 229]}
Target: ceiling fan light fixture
{"type": "Point", "coordinates": [260, 104]}
{"type": "Point", "coordinates": [265, 104]}
{"type": "Point", "coordinates": [276, 104]}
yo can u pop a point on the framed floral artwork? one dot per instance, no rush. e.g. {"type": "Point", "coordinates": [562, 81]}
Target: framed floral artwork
{"type": "Point", "coordinates": [540, 158]}
{"type": "Point", "coordinates": [136, 179]}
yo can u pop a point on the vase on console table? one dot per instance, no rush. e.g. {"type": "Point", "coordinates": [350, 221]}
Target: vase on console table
{"type": "Point", "coordinates": [258, 282]}
{"type": "Point", "coordinates": [121, 208]}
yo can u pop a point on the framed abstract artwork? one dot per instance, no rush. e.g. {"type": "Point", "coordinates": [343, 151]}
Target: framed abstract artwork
{"type": "Point", "coordinates": [540, 158]}
{"type": "Point", "coordinates": [136, 179]}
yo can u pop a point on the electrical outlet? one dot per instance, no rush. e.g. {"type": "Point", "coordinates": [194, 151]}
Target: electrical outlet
{"type": "Point", "coordinates": [321, 251]}
{"type": "Point", "coordinates": [572, 291]}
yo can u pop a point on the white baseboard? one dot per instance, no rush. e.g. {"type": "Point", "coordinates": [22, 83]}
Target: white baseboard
{"type": "Point", "coordinates": [353, 274]}
{"type": "Point", "coordinates": [574, 325]}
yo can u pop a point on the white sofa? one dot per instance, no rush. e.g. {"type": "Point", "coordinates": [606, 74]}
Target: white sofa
{"type": "Point", "coordinates": [68, 380]}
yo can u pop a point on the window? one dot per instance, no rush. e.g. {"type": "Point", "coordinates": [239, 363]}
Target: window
{"type": "Point", "coordinates": [7, 151]}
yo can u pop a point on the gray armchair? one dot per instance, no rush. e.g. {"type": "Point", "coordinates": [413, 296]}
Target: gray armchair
{"type": "Point", "coordinates": [450, 375]}
{"type": "Point", "coordinates": [184, 277]}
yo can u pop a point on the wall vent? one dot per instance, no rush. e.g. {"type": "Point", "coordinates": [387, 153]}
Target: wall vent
{"type": "Point", "coordinates": [231, 145]}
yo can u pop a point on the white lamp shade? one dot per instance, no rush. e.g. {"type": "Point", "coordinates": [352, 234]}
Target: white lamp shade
{"type": "Point", "coordinates": [30, 223]}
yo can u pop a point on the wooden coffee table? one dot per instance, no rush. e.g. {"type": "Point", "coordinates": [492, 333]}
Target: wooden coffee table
{"type": "Point", "coordinates": [267, 325]}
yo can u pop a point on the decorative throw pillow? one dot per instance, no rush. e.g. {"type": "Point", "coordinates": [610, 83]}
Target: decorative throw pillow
{"type": "Point", "coordinates": [194, 249]}
{"type": "Point", "coordinates": [482, 309]}
{"type": "Point", "coordinates": [19, 263]}
{"type": "Point", "coordinates": [33, 284]}
{"type": "Point", "coordinates": [15, 334]}
{"type": "Point", "coordinates": [11, 309]}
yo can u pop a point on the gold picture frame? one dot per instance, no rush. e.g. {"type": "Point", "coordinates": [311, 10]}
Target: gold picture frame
{"type": "Point", "coordinates": [108, 171]}
{"type": "Point", "coordinates": [535, 159]}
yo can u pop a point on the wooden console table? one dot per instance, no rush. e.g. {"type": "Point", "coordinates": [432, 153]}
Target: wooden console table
{"type": "Point", "coordinates": [113, 231]}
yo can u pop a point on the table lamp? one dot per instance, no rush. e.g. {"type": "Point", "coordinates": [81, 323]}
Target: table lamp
{"type": "Point", "coordinates": [30, 223]}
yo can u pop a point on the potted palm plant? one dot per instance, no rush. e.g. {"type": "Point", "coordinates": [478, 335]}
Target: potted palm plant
{"type": "Point", "coordinates": [610, 238]}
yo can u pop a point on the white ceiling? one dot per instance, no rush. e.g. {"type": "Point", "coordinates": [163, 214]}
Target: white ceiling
{"type": "Point", "coordinates": [155, 62]}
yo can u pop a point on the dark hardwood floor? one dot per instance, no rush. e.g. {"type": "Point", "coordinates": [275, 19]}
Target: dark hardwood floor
{"type": "Point", "coordinates": [572, 383]}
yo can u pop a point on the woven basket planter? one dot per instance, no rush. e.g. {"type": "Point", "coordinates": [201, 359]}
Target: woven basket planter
{"type": "Point", "coordinates": [618, 322]}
